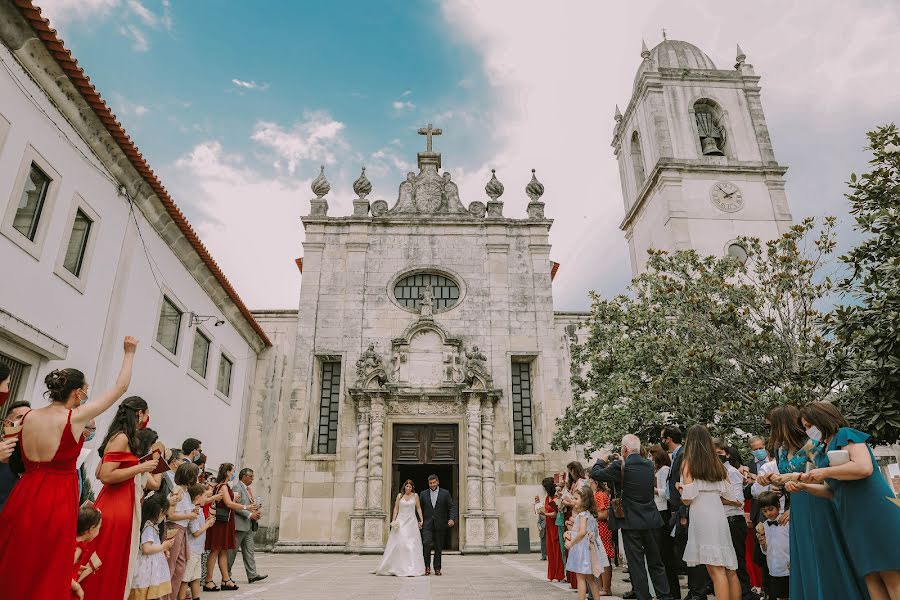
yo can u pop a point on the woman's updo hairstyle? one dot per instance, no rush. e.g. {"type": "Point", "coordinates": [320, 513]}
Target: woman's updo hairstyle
{"type": "Point", "coordinates": [61, 383]}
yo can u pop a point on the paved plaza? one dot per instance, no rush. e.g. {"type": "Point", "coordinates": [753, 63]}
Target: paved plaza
{"type": "Point", "coordinates": [348, 577]}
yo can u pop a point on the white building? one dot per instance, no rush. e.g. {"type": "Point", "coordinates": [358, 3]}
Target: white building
{"type": "Point", "coordinates": [695, 159]}
{"type": "Point", "coordinates": [76, 257]}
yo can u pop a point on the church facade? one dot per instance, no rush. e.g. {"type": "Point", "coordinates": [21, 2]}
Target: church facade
{"type": "Point", "coordinates": [426, 339]}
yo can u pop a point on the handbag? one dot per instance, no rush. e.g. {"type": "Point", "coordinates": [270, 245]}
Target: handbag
{"type": "Point", "coordinates": [223, 513]}
{"type": "Point", "coordinates": [617, 505]}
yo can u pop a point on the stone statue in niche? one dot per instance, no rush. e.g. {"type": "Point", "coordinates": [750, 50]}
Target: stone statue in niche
{"type": "Point", "coordinates": [396, 360]}
{"type": "Point", "coordinates": [426, 302]}
{"type": "Point", "coordinates": [367, 364]}
{"type": "Point", "coordinates": [711, 134]}
{"type": "Point", "coordinates": [406, 199]}
{"type": "Point", "coordinates": [451, 202]}
{"type": "Point", "coordinates": [476, 364]}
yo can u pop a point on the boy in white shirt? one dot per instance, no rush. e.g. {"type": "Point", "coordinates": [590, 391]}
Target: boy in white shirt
{"type": "Point", "coordinates": [774, 539]}
{"type": "Point", "coordinates": [196, 541]}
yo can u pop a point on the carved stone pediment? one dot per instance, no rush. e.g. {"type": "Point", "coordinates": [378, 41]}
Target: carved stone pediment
{"type": "Point", "coordinates": [370, 372]}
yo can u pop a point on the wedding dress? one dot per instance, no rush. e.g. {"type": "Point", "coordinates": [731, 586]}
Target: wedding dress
{"type": "Point", "coordinates": [403, 555]}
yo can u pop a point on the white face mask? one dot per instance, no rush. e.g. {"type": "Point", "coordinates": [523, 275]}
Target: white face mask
{"type": "Point", "coordinates": [814, 433]}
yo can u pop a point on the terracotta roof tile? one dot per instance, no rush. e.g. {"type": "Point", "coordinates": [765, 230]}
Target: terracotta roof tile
{"type": "Point", "coordinates": [69, 65]}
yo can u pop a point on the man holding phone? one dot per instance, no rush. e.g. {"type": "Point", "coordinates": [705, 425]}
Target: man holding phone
{"type": "Point", "coordinates": [246, 523]}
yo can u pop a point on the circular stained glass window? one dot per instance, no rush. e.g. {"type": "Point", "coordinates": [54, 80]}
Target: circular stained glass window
{"type": "Point", "coordinates": [444, 290]}
{"type": "Point", "coordinates": [739, 252]}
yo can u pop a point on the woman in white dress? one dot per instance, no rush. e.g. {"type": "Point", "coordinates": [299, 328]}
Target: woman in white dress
{"type": "Point", "coordinates": [403, 555]}
{"type": "Point", "coordinates": [706, 489]}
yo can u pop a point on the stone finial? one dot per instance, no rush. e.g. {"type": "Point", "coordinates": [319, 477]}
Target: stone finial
{"type": "Point", "coordinates": [741, 58]}
{"type": "Point", "coordinates": [645, 52]}
{"type": "Point", "coordinates": [618, 115]}
{"type": "Point", "coordinates": [362, 187]}
{"type": "Point", "coordinates": [534, 189]}
{"type": "Point", "coordinates": [320, 185]}
{"type": "Point", "coordinates": [494, 188]}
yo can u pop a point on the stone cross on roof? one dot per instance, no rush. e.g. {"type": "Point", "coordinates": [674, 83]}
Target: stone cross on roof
{"type": "Point", "coordinates": [428, 132]}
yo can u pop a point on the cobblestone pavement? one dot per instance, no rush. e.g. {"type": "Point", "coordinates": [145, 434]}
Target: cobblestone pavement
{"type": "Point", "coordinates": [348, 577]}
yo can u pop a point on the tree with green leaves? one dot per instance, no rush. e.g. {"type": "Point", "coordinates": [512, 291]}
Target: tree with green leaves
{"type": "Point", "coordinates": [705, 340]}
{"type": "Point", "coordinates": [867, 330]}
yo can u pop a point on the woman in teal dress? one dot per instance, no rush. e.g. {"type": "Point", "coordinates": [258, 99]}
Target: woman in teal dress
{"type": "Point", "coordinates": [820, 565]}
{"type": "Point", "coordinates": [869, 520]}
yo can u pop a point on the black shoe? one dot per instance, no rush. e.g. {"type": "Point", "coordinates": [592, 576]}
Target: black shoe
{"type": "Point", "coordinates": [632, 595]}
{"type": "Point", "coordinates": [257, 578]}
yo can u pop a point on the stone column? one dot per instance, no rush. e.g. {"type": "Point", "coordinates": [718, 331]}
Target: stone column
{"type": "Point", "coordinates": [474, 517]}
{"type": "Point", "coordinates": [374, 532]}
{"type": "Point", "coordinates": [489, 491]}
{"type": "Point", "coordinates": [361, 481]}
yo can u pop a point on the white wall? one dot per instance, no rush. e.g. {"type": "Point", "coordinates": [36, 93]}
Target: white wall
{"type": "Point", "coordinates": [120, 296]}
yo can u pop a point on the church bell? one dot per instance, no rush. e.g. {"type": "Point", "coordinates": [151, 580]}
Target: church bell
{"type": "Point", "coordinates": [710, 148]}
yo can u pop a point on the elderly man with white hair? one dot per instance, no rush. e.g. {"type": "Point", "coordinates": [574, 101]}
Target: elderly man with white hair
{"type": "Point", "coordinates": [635, 479]}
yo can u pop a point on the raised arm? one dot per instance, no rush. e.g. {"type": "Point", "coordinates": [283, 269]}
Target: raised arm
{"type": "Point", "coordinates": [86, 412]}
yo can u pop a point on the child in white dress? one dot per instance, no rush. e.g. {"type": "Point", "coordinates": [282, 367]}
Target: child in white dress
{"type": "Point", "coordinates": [586, 558]}
{"type": "Point", "coordinates": [152, 578]}
{"type": "Point", "coordinates": [706, 490]}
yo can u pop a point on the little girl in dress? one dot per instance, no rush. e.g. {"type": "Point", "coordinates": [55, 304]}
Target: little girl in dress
{"type": "Point", "coordinates": [89, 521]}
{"type": "Point", "coordinates": [587, 558]}
{"type": "Point", "coordinates": [152, 578]}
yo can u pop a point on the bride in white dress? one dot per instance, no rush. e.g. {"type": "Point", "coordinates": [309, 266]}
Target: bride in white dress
{"type": "Point", "coordinates": [403, 555]}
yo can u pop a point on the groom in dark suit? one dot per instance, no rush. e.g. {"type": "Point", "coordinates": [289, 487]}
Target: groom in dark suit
{"type": "Point", "coordinates": [438, 516]}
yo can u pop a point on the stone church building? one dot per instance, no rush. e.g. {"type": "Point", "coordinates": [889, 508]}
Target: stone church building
{"type": "Point", "coordinates": [426, 339]}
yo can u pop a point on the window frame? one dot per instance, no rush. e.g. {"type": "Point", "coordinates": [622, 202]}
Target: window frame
{"type": "Point", "coordinates": [79, 282]}
{"type": "Point", "coordinates": [168, 295]}
{"type": "Point", "coordinates": [33, 247]}
{"type": "Point", "coordinates": [223, 355]}
{"type": "Point", "coordinates": [5, 126]}
{"type": "Point", "coordinates": [200, 377]}
{"type": "Point", "coordinates": [427, 270]}
{"type": "Point", "coordinates": [319, 382]}
{"type": "Point", "coordinates": [531, 361]}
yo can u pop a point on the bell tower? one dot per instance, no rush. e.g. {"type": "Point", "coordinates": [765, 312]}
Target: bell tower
{"type": "Point", "coordinates": [695, 158]}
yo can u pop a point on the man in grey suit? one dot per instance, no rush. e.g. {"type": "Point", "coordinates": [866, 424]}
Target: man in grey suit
{"type": "Point", "coordinates": [246, 522]}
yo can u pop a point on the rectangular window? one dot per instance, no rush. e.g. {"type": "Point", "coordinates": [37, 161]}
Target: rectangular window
{"type": "Point", "coordinates": [223, 382]}
{"type": "Point", "coordinates": [523, 433]}
{"type": "Point", "coordinates": [169, 326]}
{"type": "Point", "coordinates": [78, 240]}
{"type": "Point", "coordinates": [329, 401]}
{"type": "Point", "coordinates": [200, 354]}
{"type": "Point", "coordinates": [28, 213]}
{"type": "Point", "coordinates": [16, 381]}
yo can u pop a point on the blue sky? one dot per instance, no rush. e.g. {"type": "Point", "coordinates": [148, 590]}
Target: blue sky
{"type": "Point", "coordinates": [235, 104]}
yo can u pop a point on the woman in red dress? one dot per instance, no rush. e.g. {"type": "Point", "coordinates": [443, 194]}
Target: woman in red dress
{"type": "Point", "coordinates": [39, 522]}
{"type": "Point", "coordinates": [221, 537]}
{"type": "Point", "coordinates": [119, 501]}
{"type": "Point", "coordinates": [556, 571]}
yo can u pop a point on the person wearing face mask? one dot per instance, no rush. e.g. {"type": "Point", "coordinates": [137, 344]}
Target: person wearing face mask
{"type": "Point", "coordinates": [38, 525]}
{"type": "Point", "coordinates": [868, 520]}
{"type": "Point", "coordinates": [8, 478]}
{"type": "Point", "coordinates": [193, 450]}
{"type": "Point", "coordinates": [123, 477]}
{"type": "Point", "coordinates": [820, 562]}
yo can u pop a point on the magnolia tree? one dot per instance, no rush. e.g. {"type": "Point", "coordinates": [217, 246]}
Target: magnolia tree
{"type": "Point", "coordinates": [867, 329]}
{"type": "Point", "coordinates": [704, 340]}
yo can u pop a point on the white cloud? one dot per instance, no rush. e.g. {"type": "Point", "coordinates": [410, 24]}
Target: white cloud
{"type": "Point", "coordinates": [61, 12]}
{"type": "Point", "coordinates": [316, 137]}
{"type": "Point", "coordinates": [406, 93]}
{"type": "Point", "coordinates": [124, 107]}
{"type": "Point", "coordinates": [554, 94]}
{"type": "Point", "coordinates": [142, 13]}
{"type": "Point", "coordinates": [400, 105]}
{"type": "Point", "coordinates": [250, 85]}
{"type": "Point", "coordinates": [253, 248]}
{"type": "Point", "coordinates": [138, 38]}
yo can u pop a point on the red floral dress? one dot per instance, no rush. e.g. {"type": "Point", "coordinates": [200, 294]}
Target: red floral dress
{"type": "Point", "coordinates": [602, 499]}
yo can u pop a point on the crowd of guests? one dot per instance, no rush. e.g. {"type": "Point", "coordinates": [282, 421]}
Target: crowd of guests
{"type": "Point", "coordinates": [160, 525]}
{"type": "Point", "coordinates": [808, 517]}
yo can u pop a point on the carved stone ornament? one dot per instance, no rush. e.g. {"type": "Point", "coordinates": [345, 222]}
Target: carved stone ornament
{"type": "Point", "coordinates": [476, 367]}
{"type": "Point", "coordinates": [362, 187]}
{"type": "Point", "coordinates": [477, 209]}
{"type": "Point", "coordinates": [379, 207]}
{"type": "Point", "coordinates": [494, 188]}
{"type": "Point", "coordinates": [370, 369]}
{"type": "Point", "coordinates": [426, 302]}
{"type": "Point", "coordinates": [320, 185]}
{"type": "Point", "coordinates": [534, 189]}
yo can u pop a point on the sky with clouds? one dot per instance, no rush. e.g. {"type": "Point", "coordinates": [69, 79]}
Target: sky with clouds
{"type": "Point", "coordinates": [235, 105]}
